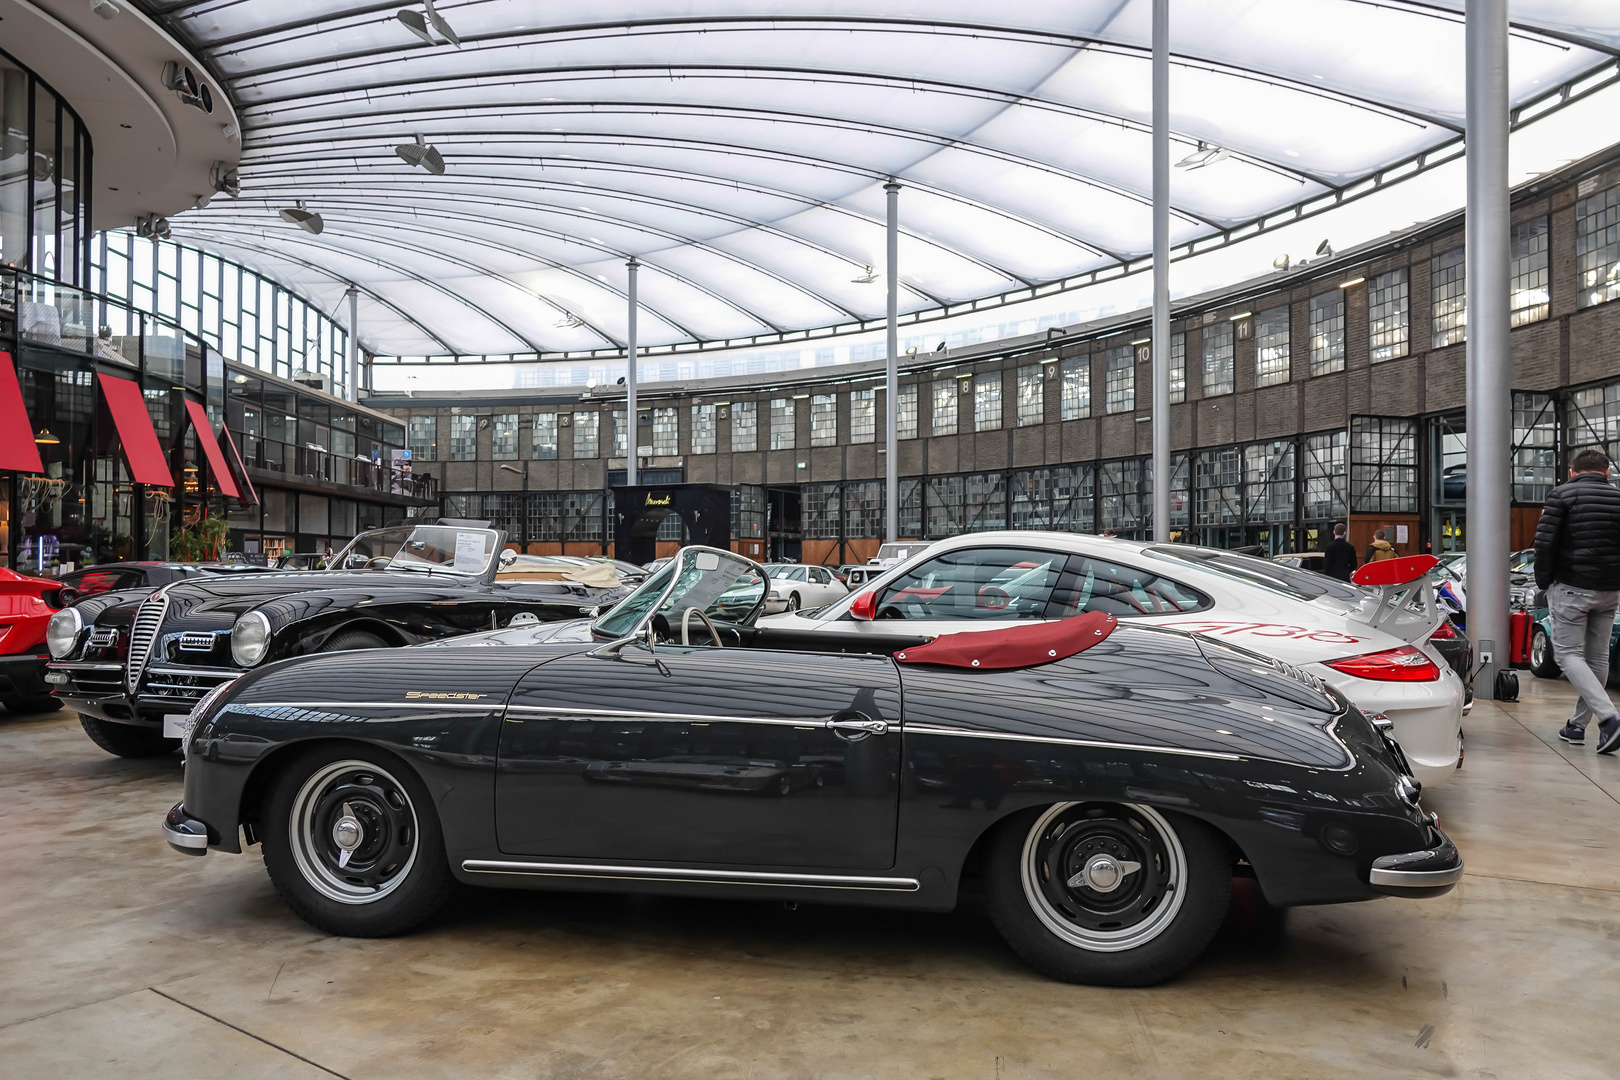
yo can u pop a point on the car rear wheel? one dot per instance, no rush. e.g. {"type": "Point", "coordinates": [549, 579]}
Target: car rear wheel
{"type": "Point", "coordinates": [1112, 894]}
{"type": "Point", "coordinates": [126, 740]}
{"type": "Point", "coordinates": [352, 844]}
{"type": "Point", "coordinates": [1542, 664]}
{"type": "Point", "coordinates": [347, 640]}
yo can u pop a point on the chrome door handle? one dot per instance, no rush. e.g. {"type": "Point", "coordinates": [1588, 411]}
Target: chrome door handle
{"type": "Point", "coordinates": [858, 729]}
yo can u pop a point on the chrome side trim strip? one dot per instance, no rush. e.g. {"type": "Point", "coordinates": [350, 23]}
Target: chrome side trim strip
{"type": "Point", "coordinates": [932, 729]}
{"type": "Point", "coordinates": [701, 718]}
{"type": "Point", "coordinates": [201, 672]}
{"type": "Point", "coordinates": [429, 706]}
{"type": "Point", "coordinates": [600, 871]}
{"type": "Point", "coordinates": [80, 665]}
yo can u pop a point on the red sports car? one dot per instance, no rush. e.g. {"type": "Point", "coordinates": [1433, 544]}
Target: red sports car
{"type": "Point", "coordinates": [26, 606]}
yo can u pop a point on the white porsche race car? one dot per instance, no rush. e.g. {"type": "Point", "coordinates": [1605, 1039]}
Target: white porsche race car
{"type": "Point", "coordinates": [1371, 643]}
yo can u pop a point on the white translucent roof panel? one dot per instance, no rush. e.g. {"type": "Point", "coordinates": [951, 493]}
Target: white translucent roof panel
{"type": "Point", "coordinates": [738, 149]}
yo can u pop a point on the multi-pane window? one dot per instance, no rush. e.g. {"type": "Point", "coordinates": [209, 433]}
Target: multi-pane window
{"type": "Point", "coordinates": [987, 401]}
{"type": "Point", "coordinates": [423, 440]}
{"type": "Point", "coordinates": [1031, 395]}
{"type": "Point", "coordinates": [784, 419]}
{"type": "Point", "coordinates": [587, 434]}
{"type": "Point", "coordinates": [1448, 292]}
{"type": "Point", "coordinates": [819, 514]}
{"type": "Point", "coordinates": [905, 426]}
{"type": "Point", "coordinates": [1218, 359]}
{"type": "Point", "coordinates": [910, 518]}
{"type": "Point", "coordinates": [1268, 476]}
{"type": "Point", "coordinates": [1178, 368]}
{"type": "Point", "coordinates": [1327, 332]}
{"type": "Point", "coordinates": [1387, 315]}
{"type": "Point", "coordinates": [1076, 393]}
{"type": "Point", "coordinates": [1218, 477]}
{"type": "Point", "coordinates": [463, 438]}
{"type": "Point", "coordinates": [666, 432]}
{"type": "Point", "coordinates": [1271, 347]}
{"type": "Point", "coordinates": [1383, 465]}
{"type": "Point", "coordinates": [1535, 446]}
{"type": "Point", "coordinates": [863, 509]}
{"type": "Point", "coordinates": [823, 420]}
{"type": "Point", "coordinates": [621, 439]}
{"type": "Point", "coordinates": [744, 426]}
{"type": "Point", "coordinates": [1597, 246]}
{"type": "Point", "coordinates": [1593, 419]}
{"type": "Point", "coordinates": [863, 415]}
{"type": "Point", "coordinates": [1527, 271]}
{"type": "Point", "coordinates": [984, 502]}
{"type": "Point", "coordinates": [1119, 379]}
{"type": "Point", "coordinates": [1058, 497]}
{"type": "Point", "coordinates": [943, 505]}
{"type": "Point", "coordinates": [1124, 504]}
{"type": "Point", "coordinates": [703, 438]}
{"type": "Point", "coordinates": [944, 419]}
{"type": "Point", "coordinates": [503, 437]}
{"type": "Point", "coordinates": [544, 435]}
{"type": "Point", "coordinates": [1324, 475]}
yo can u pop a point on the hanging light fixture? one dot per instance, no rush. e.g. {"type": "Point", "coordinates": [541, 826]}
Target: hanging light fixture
{"type": "Point", "coordinates": [1204, 156]}
{"type": "Point", "coordinates": [437, 22]}
{"type": "Point", "coordinates": [865, 279]}
{"type": "Point", "coordinates": [418, 25]}
{"type": "Point", "coordinates": [44, 437]}
{"type": "Point", "coordinates": [304, 219]}
{"type": "Point", "coordinates": [423, 156]}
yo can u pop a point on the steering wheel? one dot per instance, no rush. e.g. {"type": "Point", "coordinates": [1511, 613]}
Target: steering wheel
{"type": "Point", "coordinates": [378, 562]}
{"type": "Point", "coordinates": [993, 598]}
{"type": "Point", "coordinates": [686, 625]}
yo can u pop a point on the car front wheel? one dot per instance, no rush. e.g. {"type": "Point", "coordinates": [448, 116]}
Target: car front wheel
{"type": "Point", "coordinates": [1112, 894]}
{"type": "Point", "coordinates": [352, 844]}
{"type": "Point", "coordinates": [1542, 664]}
{"type": "Point", "coordinates": [793, 602]}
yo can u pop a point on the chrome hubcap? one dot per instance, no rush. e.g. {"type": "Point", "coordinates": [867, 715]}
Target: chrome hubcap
{"type": "Point", "coordinates": [1104, 874]}
{"type": "Point", "coordinates": [353, 832]}
{"type": "Point", "coordinates": [347, 834]}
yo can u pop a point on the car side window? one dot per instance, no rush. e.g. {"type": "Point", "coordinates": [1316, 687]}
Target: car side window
{"type": "Point", "coordinates": [819, 576]}
{"type": "Point", "coordinates": [1089, 584]}
{"type": "Point", "coordinates": [982, 583]}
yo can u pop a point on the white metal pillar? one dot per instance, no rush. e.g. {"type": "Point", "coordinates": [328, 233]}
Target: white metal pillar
{"type": "Point", "coordinates": [1161, 271]}
{"type": "Point", "coordinates": [630, 383]}
{"type": "Point", "coordinates": [1489, 374]}
{"type": "Point", "coordinates": [352, 383]}
{"type": "Point", "coordinates": [891, 407]}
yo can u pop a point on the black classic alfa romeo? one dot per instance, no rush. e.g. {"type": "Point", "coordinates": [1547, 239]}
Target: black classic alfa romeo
{"type": "Point", "coordinates": [1106, 781]}
{"type": "Point", "coordinates": [133, 663]}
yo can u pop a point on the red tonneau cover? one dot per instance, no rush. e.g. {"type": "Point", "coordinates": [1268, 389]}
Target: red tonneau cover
{"type": "Point", "coordinates": [17, 449]}
{"type": "Point", "coordinates": [210, 448]}
{"type": "Point", "coordinates": [134, 423]}
{"type": "Point", "coordinates": [1014, 647]}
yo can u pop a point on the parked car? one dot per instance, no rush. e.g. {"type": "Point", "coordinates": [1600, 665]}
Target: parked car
{"type": "Point", "coordinates": [112, 577]}
{"type": "Point", "coordinates": [26, 606]}
{"type": "Point", "coordinates": [794, 586]}
{"type": "Point", "coordinates": [302, 560]}
{"type": "Point", "coordinates": [1542, 663]}
{"type": "Point", "coordinates": [1301, 560]}
{"type": "Point", "coordinates": [134, 663]}
{"type": "Point", "coordinates": [1109, 815]}
{"type": "Point", "coordinates": [898, 552]}
{"type": "Point", "coordinates": [854, 576]}
{"type": "Point", "coordinates": [1380, 659]}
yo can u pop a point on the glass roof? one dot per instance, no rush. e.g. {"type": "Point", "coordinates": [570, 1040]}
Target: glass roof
{"type": "Point", "coordinates": [738, 148]}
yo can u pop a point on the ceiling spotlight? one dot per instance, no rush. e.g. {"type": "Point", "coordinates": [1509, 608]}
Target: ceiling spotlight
{"type": "Point", "coordinates": [866, 278]}
{"type": "Point", "coordinates": [420, 154]}
{"type": "Point", "coordinates": [415, 24]}
{"type": "Point", "coordinates": [191, 90]}
{"type": "Point", "coordinates": [912, 351]}
{"type": "Point", "coordinates": [105, 8]}
{"type": "Point", "coordinates": [230, 131]}
{"type": "Point", "coordinates": [940, 347]}
{"type": "Point", "coordinates": [1324, 249]}
{"type": "Point", "coordinates": [1204, 155]}
{"type": "Point", "coordinates": [225, 179]}
{"type": "Point", "coordinates": [570, 321]}
{"type": "Point", "coordinates": [202, 202]}
{"type": "Point", "coordinates": [304, 219]}
{"type": "Point", "coordinates": [152, 226]}
{"type": "Point", "coordinates": [1282, 262]}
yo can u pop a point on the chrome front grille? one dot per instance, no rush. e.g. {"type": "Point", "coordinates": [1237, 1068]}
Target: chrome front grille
{"type": "Point", "coordinates": [104, 637]}
{"type": "Point", "coordinates": [144, 631]}
{"type": "Point", "coordinates": [197, 641]}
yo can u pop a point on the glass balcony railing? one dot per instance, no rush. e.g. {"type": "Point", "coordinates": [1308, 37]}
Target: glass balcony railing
{"type": "Point", "coordinates": [314, 463]}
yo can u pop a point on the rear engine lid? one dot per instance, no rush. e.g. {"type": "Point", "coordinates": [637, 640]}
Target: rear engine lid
{"type": "Point", "coordinates": [1268, 675]}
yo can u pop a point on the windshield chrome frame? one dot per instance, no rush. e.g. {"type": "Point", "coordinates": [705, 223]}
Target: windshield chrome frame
{"type": "Point", "coordinates": [641, 624]}
{"type": "Point", "coordinates": [486, 575]}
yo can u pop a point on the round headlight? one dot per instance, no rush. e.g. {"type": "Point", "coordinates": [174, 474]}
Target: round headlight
{"type": "Point", "coordinates": [62, 632]}
{"type": "Point", "coordinates": [250, 638]}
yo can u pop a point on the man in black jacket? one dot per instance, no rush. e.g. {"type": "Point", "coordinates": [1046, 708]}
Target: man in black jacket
{"type": "Point", "coordinates": [1578, 564]}
{"type": "Point", "coordinates": [1339, 557]}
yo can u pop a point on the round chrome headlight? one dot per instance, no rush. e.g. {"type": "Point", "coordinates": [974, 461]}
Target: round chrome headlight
{"type": "Point", "coordinates": [250, 638]}
{"type": "Point", "coordinates": [62, 632]}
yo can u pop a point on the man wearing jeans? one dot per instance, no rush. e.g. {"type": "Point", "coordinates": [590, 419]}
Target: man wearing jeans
{"type": "Point", "coordinates": [1578, 564]}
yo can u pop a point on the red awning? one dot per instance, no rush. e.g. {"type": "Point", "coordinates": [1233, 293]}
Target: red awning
{"type": "Point", "coordinates": [251, 498]}
{"type": "Point", "coordinates": [210, 448]}
{"type": "Point", "coordinates": [141, 447]}
{"type": "Point", "coordinates": [17, 449]}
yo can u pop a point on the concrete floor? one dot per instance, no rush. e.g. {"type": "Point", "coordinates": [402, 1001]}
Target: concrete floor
{"type": "Point", "coordinates": [122, 959]}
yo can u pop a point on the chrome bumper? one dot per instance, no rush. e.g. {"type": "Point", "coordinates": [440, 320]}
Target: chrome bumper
{"type": "Point", "coordinates": [185, 833]}
{"type": "Point", "coordinates": [1433, 871]}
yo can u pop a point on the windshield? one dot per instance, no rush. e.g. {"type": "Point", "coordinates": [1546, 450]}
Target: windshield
{"type": "Point", "coordinates": [725, 587]}
{"type": "Point", "coordinates": [436, 549]}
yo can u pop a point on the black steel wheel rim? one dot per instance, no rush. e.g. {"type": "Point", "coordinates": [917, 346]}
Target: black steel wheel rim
{"type": "Point", "coordinates": [354, 831]}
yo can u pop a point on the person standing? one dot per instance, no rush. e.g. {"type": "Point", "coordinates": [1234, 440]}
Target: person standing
{"type": "Point", "coordinates": [1578, 564]}
{"type": "Point", "coordinates": [1339, 557]}
{"type": "Point", "coordinates": [1380, 549]}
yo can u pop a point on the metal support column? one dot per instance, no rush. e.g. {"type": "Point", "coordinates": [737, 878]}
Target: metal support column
{"type": "Point", "coordinates": [891, 405]}
{"type": "Point", "coordinates": [1161, 271]}
{"type": "Point", "coordinates": [630, 383]}
{"type": "Point", "coordinates": [1489, 373]}
{"type": "Point", "coordinates": [351, 389]}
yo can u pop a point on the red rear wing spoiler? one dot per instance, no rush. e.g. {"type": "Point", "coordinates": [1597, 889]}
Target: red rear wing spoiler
{"type": "Point", "coordinates": [1014, 647]}
{"type": "Point", "coordinates": [1394, 571]}
{"type": "Point", "coordinates": [1403, 602]}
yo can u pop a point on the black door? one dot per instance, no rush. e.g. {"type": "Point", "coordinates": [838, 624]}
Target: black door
{"type": "Point", "coordinates": [703, 755]}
